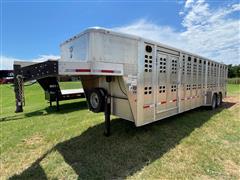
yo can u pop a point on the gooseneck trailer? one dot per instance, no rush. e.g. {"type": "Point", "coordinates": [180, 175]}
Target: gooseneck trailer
{"type": "Point", "coordinates": [131, 77]}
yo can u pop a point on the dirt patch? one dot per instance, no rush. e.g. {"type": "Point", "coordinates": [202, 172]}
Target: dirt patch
{"type": "Point", "coordinates": [231, 102]}
{"type": "Point", "coordinates": [232, 168]}
{"type": "Point", "coordinates": [33, 140]}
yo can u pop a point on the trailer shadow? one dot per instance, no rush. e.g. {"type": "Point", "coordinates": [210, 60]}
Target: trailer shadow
{"type": "Point", "coordinates": [127, 150]}
{"type": "Point", "coordinates": [64, 108]}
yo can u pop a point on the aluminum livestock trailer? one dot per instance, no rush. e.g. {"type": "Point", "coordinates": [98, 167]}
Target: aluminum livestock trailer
{"type": "Point", "coordinates": [135, 78]}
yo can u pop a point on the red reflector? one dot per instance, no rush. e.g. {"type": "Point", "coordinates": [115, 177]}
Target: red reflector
{"type": "Point", "coordinates": [146, 106]}
{"type": "Point", "coordinates": [174, 100]}
{"type": "Point", "coordinates": [83, 70]}
{"type": "Point", "coordinates": [107, 71]}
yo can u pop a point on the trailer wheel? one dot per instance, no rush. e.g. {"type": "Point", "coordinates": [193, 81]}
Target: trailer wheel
{"type": "Point", "coordinates": [214, 102]}
{"type": "Point", "coordinates": [218, 103]}
{"type": "Point", "coordinates": [96, 100]}
{"type": "Point", "coordinates": [220, 98]}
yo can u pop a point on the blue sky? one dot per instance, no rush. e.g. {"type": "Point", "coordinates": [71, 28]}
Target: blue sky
{"type": "Point", "coordinates": [33, 30]}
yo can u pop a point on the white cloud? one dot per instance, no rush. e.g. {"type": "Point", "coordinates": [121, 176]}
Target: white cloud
{"type": "Point", "coordinates": [7, 62]}
{"type": "Point", "coordinates": [212, 33]}
{"type": "Point", "coordinates": [164, 34]}
{"type": "Point", "coordinates": [188, 3]}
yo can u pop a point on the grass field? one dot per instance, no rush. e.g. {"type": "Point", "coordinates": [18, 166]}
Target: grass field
{"type": "Point", "coordinates": [44, 144]}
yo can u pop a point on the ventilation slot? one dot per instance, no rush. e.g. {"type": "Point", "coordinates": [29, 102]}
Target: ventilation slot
{"type": "Point", "coordinates": [174, 66]}
{"type": "Point", "coordinates": [200, 68]}
{"type": "Point", "coordinates": [194, 86]}
{"type": "Point", "coordinates": [195, 67]}
{"type": "Point", "coordinates": [189, 64]}
{"type": "Point", "coordinates": [148, 63]}
{"type": "Point", "coordinates": [147, 90]}
{"type": "Point", "coordinates": [162, 65]}
{"type": "Point", "coordinates": [183, 67]}
{"type": "Point", "coordinates": [162, 89]}
{"type": "Point", "coordinates": [174, 88]}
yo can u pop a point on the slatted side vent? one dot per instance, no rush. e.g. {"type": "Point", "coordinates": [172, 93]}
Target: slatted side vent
{"type": "Point", "coordinates": [200, 67]}
{"type": "Point", "coordinates": [162, 65]}
{"type": "Point", "coordinates": [189, 65]}
{"type": "Point", "coordinates": [174, 88]}
{"type": "Point", "coordinates": [162, 89]}
{"type": "Point", "coordinates": [215, 70]}
{"type": "Point", "coordinates": [221, 71]}
{"type": "Point", "coordinates": [195, 67]}
{"type": "Point", "coordinates": [148, 63]}
{"type": "Point", "coordinates": [183, 66]}
{"type": "Point", "coordinates": [147, 90]}
{"type": "Point", "coordinates": [212, 72]}
{"type": "Point", "coordinates": [194, 86]}
{"type": "Point", "coordinates": [208, 73]}
{"type": "Point", "coordinates": [174, 66]}
{"type": "Point", "coordinates": [204, 68]}
{"type": "Point", "coordinates": [214, 85]}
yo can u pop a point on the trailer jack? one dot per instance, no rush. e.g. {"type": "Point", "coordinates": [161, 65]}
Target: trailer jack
{"type": "Point", "coordinates": [18, 88]}
{"type": "Point", "coordinates": [107, 112]}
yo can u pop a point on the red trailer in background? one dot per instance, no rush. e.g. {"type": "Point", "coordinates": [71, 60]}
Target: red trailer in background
{"type": "Point", "coordinates": [6, 76]}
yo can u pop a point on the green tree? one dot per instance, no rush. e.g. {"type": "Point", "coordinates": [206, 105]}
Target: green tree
{"type": "Point", "coordinates": [233, 71]}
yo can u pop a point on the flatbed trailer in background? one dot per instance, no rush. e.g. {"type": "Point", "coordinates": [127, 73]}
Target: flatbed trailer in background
{"type": "Point", "coordinates": [134, 78]}
{"type": "Point", "coordinates": [46, 74]}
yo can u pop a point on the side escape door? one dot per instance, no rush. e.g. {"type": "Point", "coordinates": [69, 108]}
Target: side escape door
{"type": "Point", "coordinates": [167, 66]}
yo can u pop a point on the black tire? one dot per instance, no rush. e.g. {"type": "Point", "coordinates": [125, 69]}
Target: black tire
{"type": "Point", "coordinates": [96, 100]}
{"type": "Point", "coordinates": [220, 96]}
{"type": "Point", "coordinates": [218, 102]}
{"type": "Point", "coordinates": [214, 102]}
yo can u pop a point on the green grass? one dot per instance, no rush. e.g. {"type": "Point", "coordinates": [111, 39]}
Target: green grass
{"type": "Point", "coordinates": [41, 143]}
{"type": "Point", "coordinates": [233, 89]}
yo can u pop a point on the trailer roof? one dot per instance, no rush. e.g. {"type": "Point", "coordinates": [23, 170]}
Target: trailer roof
{"type": "Point", "coordinates": [134, 37]}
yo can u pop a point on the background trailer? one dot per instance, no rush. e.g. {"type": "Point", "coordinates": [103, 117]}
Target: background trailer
{"type": "Point", "coordinates": [131, 77]}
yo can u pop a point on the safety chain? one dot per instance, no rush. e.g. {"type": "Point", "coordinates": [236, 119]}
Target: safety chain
{"type": "Point", "coordinates": [20, 84]}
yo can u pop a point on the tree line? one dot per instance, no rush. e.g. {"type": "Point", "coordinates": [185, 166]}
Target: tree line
{"type": "Point", "coordinates": [233, 71]}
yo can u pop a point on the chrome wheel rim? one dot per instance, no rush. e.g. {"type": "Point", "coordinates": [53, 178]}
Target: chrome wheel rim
{"type": "Point", "coordinates": [94, 100]}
